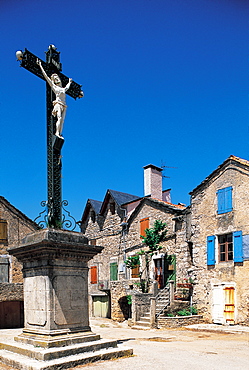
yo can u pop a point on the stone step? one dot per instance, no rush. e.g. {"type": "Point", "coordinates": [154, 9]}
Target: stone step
{"type": "Point", "coordinates": [143, 323]}
{"type": "Point", "coordinates": [22, 362]}
{"type": "Point", "coordinates": [47, 354]}
{"type": "Point", "coordinates": [145, 319]}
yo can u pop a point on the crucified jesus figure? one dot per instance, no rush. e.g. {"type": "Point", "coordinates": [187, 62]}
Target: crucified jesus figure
{"type": "Point", "coordinates": [59, 103]}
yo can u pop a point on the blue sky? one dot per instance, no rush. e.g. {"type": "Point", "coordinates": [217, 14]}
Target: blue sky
{"type": "Point", "coordinates": [165, 82]}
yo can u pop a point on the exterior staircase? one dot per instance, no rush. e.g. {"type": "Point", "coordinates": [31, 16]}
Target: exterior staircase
{"type": "Point", "coordinates": [162, 302]}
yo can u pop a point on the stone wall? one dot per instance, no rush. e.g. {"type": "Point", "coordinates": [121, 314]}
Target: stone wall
{"type": "Point", "coordinates": [11, 292]}
{"type": "Point", "coordinates": [176, 322]}
{"type": "Point", "coordinates": [140, 305]}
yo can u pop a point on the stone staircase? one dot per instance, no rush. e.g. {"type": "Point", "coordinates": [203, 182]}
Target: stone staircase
{"type": "Point", "coordinates": [162, 302]}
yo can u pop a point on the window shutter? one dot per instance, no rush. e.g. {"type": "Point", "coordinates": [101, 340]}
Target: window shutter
{"type": "Point", "coordinates": [224, 198]}
{"type": "Point", "coordinates": [3, 231]}
{"type": "Point", "coordinates": [228, 199]}
{"type": "Point", "coordinates": [144, 224]}
{"type": "Point", "coordinates": [211, 250]}
{"type": "Point", "coordinates": [237, 246]}
{"type": "Point", "coordinates": [113, 271]}
{"type": "Point", "coordinates": [93, 275]}
{"type": "Point", "coordinates": [135, 272]}
{"type": "Point", "coordinates": [4, 269]}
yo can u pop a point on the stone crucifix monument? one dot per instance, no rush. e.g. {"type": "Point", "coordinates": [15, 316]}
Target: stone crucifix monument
{"type": "Point", "coordinates": [56, 332]}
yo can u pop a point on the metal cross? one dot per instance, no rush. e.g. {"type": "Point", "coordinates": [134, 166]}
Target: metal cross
{"type": "Point", "coordinates": [54, 143]}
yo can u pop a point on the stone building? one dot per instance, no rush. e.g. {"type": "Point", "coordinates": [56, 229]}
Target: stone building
{"type": "Point", "coordinates": [14, 226]}
{"type": "Point", "coordinates": [117, 224]}
{"type": "Point", "coordinates": [219, 234]}
{"type": "Point", "coordinates": [207, 244]}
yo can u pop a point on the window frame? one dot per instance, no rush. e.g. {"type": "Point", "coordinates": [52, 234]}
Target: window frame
{"type": "Point", "coordinates": [228, 247]}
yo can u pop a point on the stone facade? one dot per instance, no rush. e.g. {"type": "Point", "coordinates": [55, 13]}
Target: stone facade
{"type": "Point", "coordinates": [116, 225]}
{"type": "Point", "coordinates": [216, 281]}
{"type": "Point", "coordinates": [219, 289]}
{"type": "Point", "coordinates": [14, 226]}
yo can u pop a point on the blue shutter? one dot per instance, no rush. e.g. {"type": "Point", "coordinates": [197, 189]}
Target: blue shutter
{"type": "Point", "coordinates": [224, 198]}
{"type": "Point", "coordinates": [221, 201]}
{"type": "Point", "coordinates": [237, 246]}
{"type": "Point", "coordinates": [211, 250]}
{"type": "Point", "coordinates": [228, 199]}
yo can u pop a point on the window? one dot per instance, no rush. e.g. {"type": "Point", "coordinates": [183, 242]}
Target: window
{"type": "Point", "coordinates": [3, 232]}
{"type": "Point", "coordinates": [112, 208]}
{"type": "Point", "coordinates": [4, 269]}
{"type": "Point", "coordinates": [92, 241]}
{"type": "Point", "coordinates": [93, 216]}
{"type": "Point", "coordinates": [113, 271]}
{"type": "Point", "coordinates": [224, 200]}
{"type": "Point", "coordinates": [229, 248]}
{"type": "Point", "coordinates": [93, 275]}
{"type": "Point", "coordinates": [144, 224]}
{"type": "Point", "coordinates": [225, 243]}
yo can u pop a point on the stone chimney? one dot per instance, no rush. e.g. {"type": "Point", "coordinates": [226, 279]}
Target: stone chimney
{"type": "Point", "coordinates": [153, 181]}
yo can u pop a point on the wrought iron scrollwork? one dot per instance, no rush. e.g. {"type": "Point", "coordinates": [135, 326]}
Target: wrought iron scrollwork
{"type": "Point", "coordinates": [68, 222]}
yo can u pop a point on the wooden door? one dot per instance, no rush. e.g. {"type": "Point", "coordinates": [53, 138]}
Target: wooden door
{"type": "Point", "coordinates": [218, 305]}
{"type": "Point", "coordinates": [170, 268]}
{"type": "Point", "coordinates": [100, 306]}
{"type": "Point", "coordinates": [11, 314]}
{"type": "Point", "coordinates": [229, 305]}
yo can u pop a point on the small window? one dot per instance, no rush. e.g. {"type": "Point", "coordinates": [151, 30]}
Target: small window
{"type": "Point", "coordinates": [224, 200]}
{"type": "Point", "coordinates": [112, 208]}
{"type": "Point", "coordinates": [113, 271]}
{"type": "Point", "coordinates": [92, 241]}
{"type": "Point", "coordinates": [93, 275]}
{"type": "Point", "coordinates": [93, 216]}
{"type": "Point", "coordinates": [3, 232]}
{"type": "Point", "coordinates": [144, 224]}
{"type": "Point", "coordinates": [225, 243]}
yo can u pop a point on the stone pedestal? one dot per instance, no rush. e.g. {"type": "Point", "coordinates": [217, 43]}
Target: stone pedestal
{"type": "Point", "coordinates": [56, 301]}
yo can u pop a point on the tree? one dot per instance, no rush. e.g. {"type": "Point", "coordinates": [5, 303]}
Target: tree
{"type": "Point", "coordinates": [152, 239]}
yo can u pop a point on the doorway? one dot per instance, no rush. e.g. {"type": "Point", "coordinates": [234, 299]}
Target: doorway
{"type": "Point", "coordinates": [223, 305]}
{"type": "Point", "coordinates": [101, 306]}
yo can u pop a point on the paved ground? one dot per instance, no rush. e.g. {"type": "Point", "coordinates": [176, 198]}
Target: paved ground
{"type": "Point", "coordinates": [204, 347]}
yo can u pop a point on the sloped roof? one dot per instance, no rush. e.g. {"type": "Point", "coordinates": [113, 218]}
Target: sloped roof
{"type": "Point", "coordinates": [96, 204]}
{"type": "Point", "coordinates": [16, 211]}
{"type": "Point", "coordinates": [119, 198]}
{"type": "Point", "coordinates": [232, 159]}
{"type": "Point", "coordinates": [174, 208]}
{"type": "Point", "coordinates": [91, 203]}
{"type": "Point", "coordinates": [122, 198]}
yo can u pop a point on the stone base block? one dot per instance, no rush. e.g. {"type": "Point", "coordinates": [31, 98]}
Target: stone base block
{"type": "Point", "coordinates": [51, 341]}
{"type": "Point", "coordinates": [27, 357]}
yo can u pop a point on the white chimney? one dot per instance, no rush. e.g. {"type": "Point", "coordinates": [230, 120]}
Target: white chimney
{"type": "Point", "coordinates": [153, 181]}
